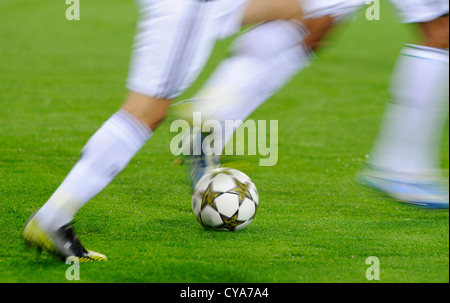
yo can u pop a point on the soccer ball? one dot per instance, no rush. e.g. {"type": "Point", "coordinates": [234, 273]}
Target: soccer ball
{"type": "Point", "coordinates": [225, 199]}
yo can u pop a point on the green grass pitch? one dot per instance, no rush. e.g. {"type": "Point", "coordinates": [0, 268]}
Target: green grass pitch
{"type": "Point", "coordinates": [60, 80]}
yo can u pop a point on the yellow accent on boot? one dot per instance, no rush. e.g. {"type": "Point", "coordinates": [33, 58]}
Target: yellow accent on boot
{"type": "Point", "coordinates": [35, 235]}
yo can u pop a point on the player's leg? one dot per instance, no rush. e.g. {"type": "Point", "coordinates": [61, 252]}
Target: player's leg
{"type": "Point", "coordinates": [405, 159]}
{"type": "Point", "coordinates": [241, 83]}
{"type": "Point", "coordinates": [264, 59]}
{"type": "Point", "coordinates": [171, 46]}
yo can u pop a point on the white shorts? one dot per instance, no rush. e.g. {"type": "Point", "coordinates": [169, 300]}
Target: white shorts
{"type": "Point", "coordinates": [417, 11]}
{"type": "Point", "coordinates": [338, 9]}
{"type": "Point", "coordinates": [174, 40]}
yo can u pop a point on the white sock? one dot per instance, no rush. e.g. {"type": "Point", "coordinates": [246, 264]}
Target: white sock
{"type": "Point", "coordinates": [410, 136]}
{"type": "Point", "coordinates": [105, 155]}
{"type": "Point", "coordinates": [264, 60]}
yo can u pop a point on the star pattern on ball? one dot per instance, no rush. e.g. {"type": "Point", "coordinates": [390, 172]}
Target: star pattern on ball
{"type": "Point", "coordinates": [242, 190]}
{"type": "Point", "coordinates": [221, 171]}
{"type": "Point", "coordinates": [231, 223]}
{"type": "Point", "coordinates": [208, 197]}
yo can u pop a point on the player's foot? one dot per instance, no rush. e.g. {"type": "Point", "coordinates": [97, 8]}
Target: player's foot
{"type": "Point", "coordinates": [201, 161]}
{"type": "Point", "coordinates": [202, 164]}
{"type": "Point", "coordinates": [62, 242]}
{"type": "Point", "coordinates": [422, 191]}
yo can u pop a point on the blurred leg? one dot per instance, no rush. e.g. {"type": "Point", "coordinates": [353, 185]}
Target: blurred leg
{"type": "Point", "coordinates": [405, 159]}
{"type": "Point", "coordinates": [412, 130]}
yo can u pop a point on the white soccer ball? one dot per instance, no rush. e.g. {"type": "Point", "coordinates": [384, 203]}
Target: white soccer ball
{"type": "Point", "coordinates": [225, 199]}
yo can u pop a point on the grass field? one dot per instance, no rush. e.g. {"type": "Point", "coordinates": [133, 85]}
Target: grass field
{"type": "Point", "coordinates": [60, 80]}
